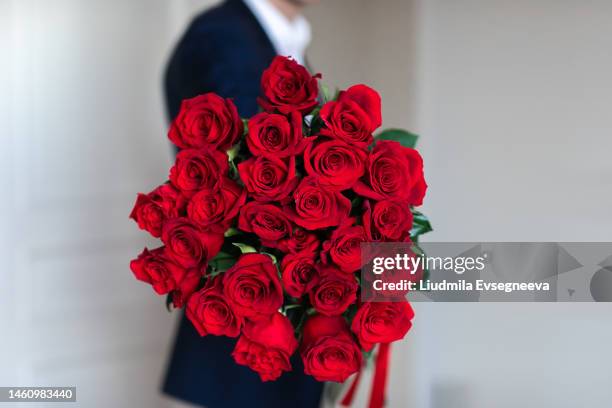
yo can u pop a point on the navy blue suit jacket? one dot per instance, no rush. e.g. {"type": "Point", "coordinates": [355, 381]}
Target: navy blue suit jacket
{"type": "Point", "coordinates": [225, 50]}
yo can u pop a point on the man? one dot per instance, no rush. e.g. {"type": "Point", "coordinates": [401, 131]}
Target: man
{"type": "Point", "coordinates": [225, 50]}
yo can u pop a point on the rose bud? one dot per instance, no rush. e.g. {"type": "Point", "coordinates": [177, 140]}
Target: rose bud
{"type": "Point", "coordinates": [333, 292]}
{"type": "Point", "coordinates": [300, 241]}
{"type": "Point", "coordinates": [196, 170]}
{"type": "Point", "coordinates": [394, 172]}
{"type": "Point", "coordinates": [252, 286]}
{"type": "Point", "coordinates": [214, 210]}
{"type": "Point", "coordinates": [266, 346]}
{"type": "Point", "coordinates": [210, 312]}
{"type": "Point", "coordinates": [153, 209]}
{"type": "Point", "coordinates": [382, 322]}
{"type": "Point", "coordinates": [335, 164]}
{"type": "Point", "coordinates": [188, 245]}
{"type": "Point", "coordinates": [274, 135]}
{"type": "Point", "coordinates": [267, 221]}
{"type": "Point", "coordinates": [389, 219]}
{"type": "Point", "coordinates": [206, 121]}
{"type": "Point", "coordinates": [353, 116]}
{"type": "Point", "coordinates": [344, 247]}
{"type": "Point", "coordinates": [268, 179]}
{"type": "Point", "coordinates": [159, 270]}
{"type": "Point", "coordinates": [287, 85]}
{"type": "Point", "coordinates": [316, 206]}
{"type": "Point", "coordinates": [299, 273]}
{"type": "Point", "coordinates": [328, 350]}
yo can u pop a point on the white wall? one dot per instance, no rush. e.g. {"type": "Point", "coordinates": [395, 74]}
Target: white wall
{"type": "Point", "coordinates": [7, 205]}
{"type": "Point", "coordinates": [83, 129]}
{"type": "Point", "coordinates": [514, 106]}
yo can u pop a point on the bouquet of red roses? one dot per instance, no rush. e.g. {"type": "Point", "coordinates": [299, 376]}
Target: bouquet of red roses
{"type": "Point", "coordinates": [262, 221]}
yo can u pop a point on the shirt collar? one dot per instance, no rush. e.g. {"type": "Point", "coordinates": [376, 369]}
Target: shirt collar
{"type": "Point", "coordinates": [289, 37]}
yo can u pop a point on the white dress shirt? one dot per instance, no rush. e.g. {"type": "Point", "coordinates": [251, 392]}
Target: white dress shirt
{"type": "Point", "coordinates": [288, 37]}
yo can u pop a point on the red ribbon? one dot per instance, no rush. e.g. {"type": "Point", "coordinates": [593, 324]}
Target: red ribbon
{"type": "Point", "coordinates": [379, 383]}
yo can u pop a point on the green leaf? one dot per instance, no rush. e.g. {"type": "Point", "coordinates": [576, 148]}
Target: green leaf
{"type": "Point", "coordinates": [326, 93]}
{"type": "Point", "coordinates": [231, 232]}
{"type": "Point", "coordinates": [245, 126]}
{"type": "Point", "coordinates": [221, 263]}
{"type": "Point", "coordinates": [420, 225]}
{"type": "Point", "coordinates": [404, 138]}
{"type": "Point", "coordinates": [274, 260]}
{"type": "Point", "coordinates": [244, 248]}
{"type": "Point", "coordinates": [336, 94]}
{"type": "Point", "coordinates": [233, 171]}
{"type": "Point", "coordinates": [233, 152]}
{"type": "Point", "coordinates": [289, 307]}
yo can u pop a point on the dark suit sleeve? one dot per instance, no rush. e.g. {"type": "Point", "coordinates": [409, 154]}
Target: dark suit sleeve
{"type": "Point", "coordinates": [187, 73]}
{"type": "Point", "coordinates": [216, 58]}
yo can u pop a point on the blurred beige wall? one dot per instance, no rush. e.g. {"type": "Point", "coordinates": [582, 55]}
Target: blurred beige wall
{"type": "Point", "coordinates": [371, 42]}
{"type": "Point", "coordinates": [514, 105]}
{"type": "Point", "coordinates": [81, 86]}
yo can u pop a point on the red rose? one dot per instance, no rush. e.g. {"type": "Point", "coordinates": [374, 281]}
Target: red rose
{"type": "Point", "coordinates": [252, 286]}
{"type": "Point", "coordinates": [266, 346]}
{"type": "Point", "coordinates": [333, 292]}
{"type": "Point", "coordinates": [287, 85]}
{"type": "Point", "coordinates": [353, 116]}
{"type": "Point", "coordinates": [159, 270]}
{"type": "Point", "coordinates": [210, 312]}
{"type": "Point", "coordinates": [394, 275]}
{"type": "Point", "coordinates": [274, 135]}
{"type": "Point", "coordinates": [188, 245]}
{"type": "Point", "coordinates": [196, 170]}
{"type": "Point", "coordinates": [389, 219]}
{"type": "Point", "coordinates": [316, 206]}
{"type": "Point", "coordinates": [328, 350]}
{"type": "Point", "coordinates": [206, 121]}
{"type": "Point", "coordinates": [300, 241]}
{"type": "Point", "coordinates": [382, 322]}
{"type": "Point", "coordinates": [299, 273]}
{"type": "Point", "coordinates": [153, 209]}
{"type": "Point", "coordinates": [393, 171]}
{"type": "Point", "coordinates": [335, 164]}
{"type": "Point", "coordinates": [214, 210]}
{"type": "Point", "coordinates": [267, 221]}
{"type": "Point", "coordinates": [268, 179]}
{"type": "Point", "coordinates": [155, 268]}
{"type": "Point", "coordinates": [344, 247]}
